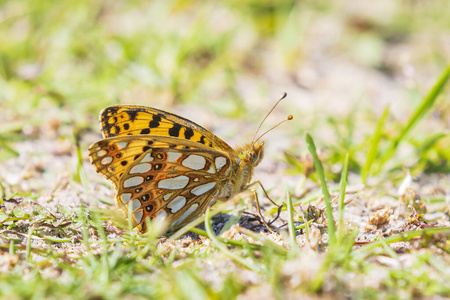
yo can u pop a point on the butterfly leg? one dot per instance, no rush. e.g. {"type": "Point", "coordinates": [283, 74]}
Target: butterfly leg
{"type": "Point", "coordinates": [258, 207]}
{"type": "Point", "coordinates": [257, 182]}
{"type": "Point", "coordinates": [267, 196]}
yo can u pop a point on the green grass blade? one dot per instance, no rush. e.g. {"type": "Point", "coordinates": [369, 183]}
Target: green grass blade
{"type": "Point", "coordinates": [406, 236]}
{"type": "Point", "coordinates": [2, 192]}
{"type": "Point", "coordinates": [224, 248]}
{"type": "Point", "coordinates": [373, 151]}
{"type": "Point", "coordinates": [12, 248]}
{"type": "Point", "coordinates": [427, 103]}
{"type": "Point", "coordinates": [388, 249]}
{"type": "Point", "coordinates": [28, 249]}
{"type": "Point", "coordinates": [234, 219]}
{"type": "Point", "coordinates": [80, 175]}
{"type": "Point", "coordinates": [57, 240]}
{"type": "Point", "coordinates": [420, 112]}
{"type": "Point", "coordinates": [304, 225]}
{"type": "Point", "coordinates": [85, 234]}
{"type": "Point", "coordinates": [130, 216]}
{"type": "Point", "coordinates": [292, 237]}
{"type": "Point", "coordinates": [323, 183]}
{"type": "Point", "coordinates": [430, 142]}
{"type": "Point", "coordinates": [343, 186]}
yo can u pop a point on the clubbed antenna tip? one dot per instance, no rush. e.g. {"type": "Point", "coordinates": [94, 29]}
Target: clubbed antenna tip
{"type": "Point", "coordinates": [290, 117]}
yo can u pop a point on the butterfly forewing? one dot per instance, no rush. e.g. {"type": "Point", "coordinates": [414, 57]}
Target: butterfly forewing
{"type": "Point", "coordinates": [131, 119]}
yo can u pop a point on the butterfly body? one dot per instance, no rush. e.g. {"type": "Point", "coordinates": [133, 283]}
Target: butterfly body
{"type": "Point", "coordinates": [164, 165]}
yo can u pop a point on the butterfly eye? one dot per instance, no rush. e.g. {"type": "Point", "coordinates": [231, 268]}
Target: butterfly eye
{"type": "Point", "coordinates": [249, 155]}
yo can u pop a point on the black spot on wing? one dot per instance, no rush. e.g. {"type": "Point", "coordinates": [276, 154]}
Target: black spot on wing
{"type": "Point", "coordinates": [102, 144]}
{"type": "Point", "coordinates": [132, 114]}
{"type": "Point", "coordinates": [126, 126]}
{"type": "Point", "coordinates": [188, 133]}
{"type": "Point", "coordinates": [155, 122]}
{"type": "Point", "coordinates": [117, 130]}
{"type": "Point", "coordinates": [145, 131]}
{"type": "Point", "coordinates": [175, 130]}
{"type": "Point", "coordinates": [108, 112]}
{"type": "Point", "coordinates": [202, 140]}
{"type": "Point", "coordinates": [106, 128]}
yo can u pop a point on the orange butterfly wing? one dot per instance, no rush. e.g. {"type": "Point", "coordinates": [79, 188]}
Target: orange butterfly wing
{"type": "Point", "coordinates": [119, 120]}
{"type": "Point", "coordinates": [160, 175]}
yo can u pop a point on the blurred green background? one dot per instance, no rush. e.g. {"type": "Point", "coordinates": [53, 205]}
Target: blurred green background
{"type": "Point", "coordinates": [342, 63]}
{"type": "Point", "coordinates": [66, 60]}
{"type": "Point", "coordinates": [356, 72]}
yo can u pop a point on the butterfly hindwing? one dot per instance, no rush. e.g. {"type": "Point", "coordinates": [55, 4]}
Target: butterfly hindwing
{"type": "Point", "coordinates": [118, 120]}
{"type": "Point", "coordinates": [174, 183]}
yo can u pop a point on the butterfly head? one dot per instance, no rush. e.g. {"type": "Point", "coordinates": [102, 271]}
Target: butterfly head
{"type": "Point", "coordinates": [252, 154]}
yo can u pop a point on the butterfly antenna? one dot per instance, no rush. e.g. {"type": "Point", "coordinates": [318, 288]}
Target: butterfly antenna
{"type": "Point", "coordinates": [290, 117]}
{"type": "Point", "coordinates": [253, 139]}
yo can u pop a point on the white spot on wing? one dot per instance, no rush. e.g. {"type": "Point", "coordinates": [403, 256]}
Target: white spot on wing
{"type": "Point", "coordinates": [125, 197]}
{"type": "Point", "coordinates": [211, 170]}
{"type": "Point", "coordinates": [167, 196]}
{"type": "Point", "coordinates": [174, 183]}
{"type": "Point", "coordinates": [133, 181]}
{"type": "Point", "coordinates": [173, 156]}
{"type": "Point", "coordinates": [141, 168]}
{"type": "Point", "coordinates": [220, 162]}
{"type": "Point", "coordinates": [186, 214]}
{"type": "Point", "coordinates": [121, 145]}
{"type": "Point", "coordinates": [201, 189]}
{"type": "Point", "coordinates": [107, 160]}
{"type": "Point", "coordinates": [194, 162]}
{"type": "Point", "coordinates": [138, 216]}
{"type": "Point", "coordinates": [136, 204]}
{"type": "Point", "coordinates": [101, 153]}
{"type": "Point", "coordinates": [176, 204]}
{"type": "Point", "coordinates": [147, 158]}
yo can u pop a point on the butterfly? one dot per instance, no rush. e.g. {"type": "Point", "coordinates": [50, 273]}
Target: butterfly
{"type": "Point", "coordinates": [163, 165]}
